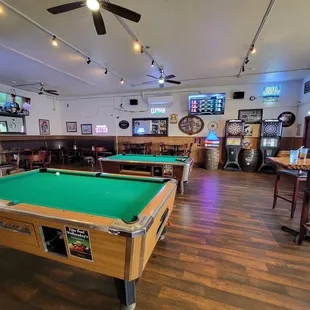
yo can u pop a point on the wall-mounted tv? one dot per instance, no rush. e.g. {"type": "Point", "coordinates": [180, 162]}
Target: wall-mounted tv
{"type": "Point", "coordinates": [206, 104]}
{"type": "Point", "coordinates": [13, 104]}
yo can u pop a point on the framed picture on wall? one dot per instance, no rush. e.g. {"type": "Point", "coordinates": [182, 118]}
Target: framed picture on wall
{"type": "Point", "coordinates": [86, 129]}
{"type": "Point", "coordinates": [44, 126]}
{"type": "Point", "coordinates": [71, 126]}
{"type": "Point", "coordinates": [3, 126]}
{"type": "Point", "coordinates": [251, 116]}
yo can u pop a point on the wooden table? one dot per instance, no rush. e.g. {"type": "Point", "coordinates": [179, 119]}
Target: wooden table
{"type": "Point", "coordinates": [304, 165]}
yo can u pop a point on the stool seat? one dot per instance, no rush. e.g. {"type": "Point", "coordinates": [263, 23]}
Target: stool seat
{"type": "Point", "coordinates": [295, 173]}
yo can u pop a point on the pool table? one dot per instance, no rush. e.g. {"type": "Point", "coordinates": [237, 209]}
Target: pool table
{"type": "Point", "coordinates": [149, 165]}
{"type": "Point", "coordinates": [101, 222]}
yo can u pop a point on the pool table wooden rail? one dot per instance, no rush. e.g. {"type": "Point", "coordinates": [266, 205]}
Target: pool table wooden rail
{"type": "Point", "coordinates": [116, 253]}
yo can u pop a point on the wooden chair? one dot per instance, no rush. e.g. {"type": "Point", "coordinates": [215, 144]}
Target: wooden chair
{"type": "Point", "coordinates": [99, 152]}
{"type": "Point", "coordinates": [48, 157]}
{"type": "Point", "coordinates": [37, 161]}
{"type": "Point", "coordinates": [188, 151]}
{"type": "Point", "coordinates": [297, 177]}
{"type": "Point", "coordinates": [86, 155]}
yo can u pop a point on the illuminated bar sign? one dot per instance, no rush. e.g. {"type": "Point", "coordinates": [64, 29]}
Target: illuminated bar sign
{"type": "Point", "coordinates": [101, 129]}
{"type": "Point", "coordinates": [271, 93]}
{"type": "Point", "coordinates": [157, 111]}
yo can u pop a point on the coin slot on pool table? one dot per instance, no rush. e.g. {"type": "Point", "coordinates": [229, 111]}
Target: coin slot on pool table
{"type": "Point", "coordinates": [162, 222]}
{"type": "Point", "coordinates": [53, 241]}
{"type": "Point", "coordinates": [139, 169]}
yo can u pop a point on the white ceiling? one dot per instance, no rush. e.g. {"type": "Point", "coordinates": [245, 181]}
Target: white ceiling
{"type": "Point", "coordinates": [202, 42]}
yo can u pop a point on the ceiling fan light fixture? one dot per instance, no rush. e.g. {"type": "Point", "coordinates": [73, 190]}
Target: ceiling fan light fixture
{"type": "Point", "coordinates": [161, 80]}
{"type": "Point", "coordinates": [93, 5]}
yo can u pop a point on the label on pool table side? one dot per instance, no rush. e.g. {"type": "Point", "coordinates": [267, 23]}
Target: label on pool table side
{"type": "Point", "coordinates": [79, 243]}
{"type": "Point", "coordinates": [168, 171]}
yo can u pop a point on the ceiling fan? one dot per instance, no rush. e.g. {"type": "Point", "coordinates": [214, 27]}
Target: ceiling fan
{"type": "Point", "coordinates": [163, 79]}
{"type": "Point", "coordinates": [94, 6]}
{"type": "Point", "coordinates": [48, 91]}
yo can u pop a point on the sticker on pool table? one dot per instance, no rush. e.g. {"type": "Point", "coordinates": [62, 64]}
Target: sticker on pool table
{"type": "Point", "coordinates": [79, 243]}
{"type": "Point", "coordinates": [168, 171]}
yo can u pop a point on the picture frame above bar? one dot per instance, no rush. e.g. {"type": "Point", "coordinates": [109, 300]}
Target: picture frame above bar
{"type": "Point", "coordinates": [150, 127]}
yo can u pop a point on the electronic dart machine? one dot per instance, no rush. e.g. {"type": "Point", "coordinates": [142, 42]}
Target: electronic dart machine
{"type": "Point", "coordinates": [271, 132]}
{"type": "Point", "coordinates": [234, 132]}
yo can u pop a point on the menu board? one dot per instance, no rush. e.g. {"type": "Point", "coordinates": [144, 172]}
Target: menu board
{"type": "Point", "coordinates": [207, 104]}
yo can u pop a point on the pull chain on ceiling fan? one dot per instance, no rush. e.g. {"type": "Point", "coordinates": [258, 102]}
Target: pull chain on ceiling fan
{"type": "Point", "coordinates": [94, 6]}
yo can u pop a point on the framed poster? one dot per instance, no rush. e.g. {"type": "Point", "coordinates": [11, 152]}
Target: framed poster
{"type": "Point", "coordinates": [3, 126]}
{"type": "Point", "coordinates": [71, 126]}
{"type": "Point", "coordinates": [150, 127]}
{"type": "Point", "coordinates": [251, 116]}
{"type": "Point", "coordinates": [86, 129]}
{"type": "Point", "coordinates": [44, 126]}
{"type": "Point", "coordinates": [307, 87]}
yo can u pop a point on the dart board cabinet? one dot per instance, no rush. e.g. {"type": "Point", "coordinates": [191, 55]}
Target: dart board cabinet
{"type": "Point", "coordinates": [270, 135]}
{"type": "Point", "coordinates": [234, 131]}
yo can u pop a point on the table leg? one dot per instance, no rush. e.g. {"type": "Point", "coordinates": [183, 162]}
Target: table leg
{"type": "Point", "coordinates": [126, 292]}
{"type": "Point", "coordinates": [304, 218]}
{"type": "Point", "coordinates": [181, 187]}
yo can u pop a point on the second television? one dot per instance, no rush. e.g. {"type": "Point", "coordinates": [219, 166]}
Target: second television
{"type": "Point", "coordinates": [207, 104]}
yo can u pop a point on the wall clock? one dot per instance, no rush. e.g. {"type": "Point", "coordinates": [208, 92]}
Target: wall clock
{"type": "Point", "coordinates": [191, 124]}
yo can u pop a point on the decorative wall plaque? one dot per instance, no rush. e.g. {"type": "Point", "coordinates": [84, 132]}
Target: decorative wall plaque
{"type": "Point", "coordinates": [191, 124]}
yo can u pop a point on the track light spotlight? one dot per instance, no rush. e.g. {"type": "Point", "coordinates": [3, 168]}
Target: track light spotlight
{"type": "Point", "coordinates": [106, 71]}
{"type": "Point", "coordinates": [141, 51]}
{"type": "Point", "coordinates": [54, 41]}
{"type": "Point", "coordinates": [137, 45]}
{"type": "Point", "coordinates": [152, 64]}
{"type": "Point", "coordinates": [242, 69]}
{"type": "Point", "coordinates": [122, 81]}
{"type": "Point", "coordinates": [246, 61]}
{"type": "Point", "coordinates": [88, 61]}
{"type": "Point", "coordinates": [253, 49]}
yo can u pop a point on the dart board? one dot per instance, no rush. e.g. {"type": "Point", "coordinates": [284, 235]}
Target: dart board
{"type": "Point", "coordinates": [191, 124]}
{"type": "Point", "coordinates": [271, 128]}
{"type": "Point", "coordinates": [234, 128]}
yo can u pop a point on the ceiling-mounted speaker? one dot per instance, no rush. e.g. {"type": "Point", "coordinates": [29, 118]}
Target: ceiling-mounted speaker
{"type": "Point", "coordinates": [133, 101]}
{"type": "Point", "coordinates": [238, 95]}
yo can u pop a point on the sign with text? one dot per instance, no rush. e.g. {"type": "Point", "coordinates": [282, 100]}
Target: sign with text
{"type": "Point", "coordinates": [101, 129]}
{"type": "Point", "coordinates": [157, 111]}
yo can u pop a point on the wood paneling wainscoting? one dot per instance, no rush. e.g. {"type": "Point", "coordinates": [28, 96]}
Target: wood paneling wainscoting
{"type": "Point", "coordinates": [114, 143]}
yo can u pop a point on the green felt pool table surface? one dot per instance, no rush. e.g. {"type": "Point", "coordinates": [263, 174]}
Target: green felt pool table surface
{"type": "Point", "coordinates": [119, 197]}
{"type": "Point", "coordinates": [148, 158]}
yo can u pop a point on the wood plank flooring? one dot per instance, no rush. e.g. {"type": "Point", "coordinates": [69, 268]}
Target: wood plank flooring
{"type": "Point", "coordinates": [225, 250]}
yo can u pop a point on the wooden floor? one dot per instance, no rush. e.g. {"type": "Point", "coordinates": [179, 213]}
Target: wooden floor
{"type": "Point", "coordinates": [224, 251]}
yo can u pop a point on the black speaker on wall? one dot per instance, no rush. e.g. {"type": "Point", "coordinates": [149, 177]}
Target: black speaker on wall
{"type": "Point", "coordinates": [239, 95]}
{"type": "Point", "coordinates": [133, 101]}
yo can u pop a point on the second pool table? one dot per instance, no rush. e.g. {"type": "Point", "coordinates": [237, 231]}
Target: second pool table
{"type": "Point", "coordinates": [105, 223]}
{"type": "Point", "coordinates": [149, 165]}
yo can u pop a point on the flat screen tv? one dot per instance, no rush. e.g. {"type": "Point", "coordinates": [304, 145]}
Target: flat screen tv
{"type": "Point", "coordinates": [11, 104]}
{"type": "Point", "coordinates": [206, 104]}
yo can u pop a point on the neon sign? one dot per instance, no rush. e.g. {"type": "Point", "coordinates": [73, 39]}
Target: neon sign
{"type": "Point", "coordinates": [156, 111]}
{"type": "Point", "coordinates": [101, 129]}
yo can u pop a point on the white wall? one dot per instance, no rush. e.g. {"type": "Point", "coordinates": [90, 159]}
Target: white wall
{"type": "Point", "coordinates": [42, 107]}
{"type": "Point", "coordinates": [304, 106]}
{"type": "Point", "coordinates": [104, 110]}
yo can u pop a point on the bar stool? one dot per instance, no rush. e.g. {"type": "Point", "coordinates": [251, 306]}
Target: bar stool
{"type": "Point", "coordinates": [298, 176]}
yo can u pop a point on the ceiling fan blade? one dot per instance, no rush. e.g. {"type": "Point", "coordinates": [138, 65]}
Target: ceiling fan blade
{"type": "Point", "coordinates": [173, 82]}
{"type": "Point", "coordinates": [152, 76]}
{"type": "Point", "coordinates": [99, 23]}
{"type": "Point", "coordinates": [50, 91]}
{"type": "Point", "coordinates": [161, 85]}
{"type": "Point", "coordinates": [171, 76]}
{"type": "Point", "coordinates": [120, 11]}
{"type": "Point", "coordinates": [67, 7]}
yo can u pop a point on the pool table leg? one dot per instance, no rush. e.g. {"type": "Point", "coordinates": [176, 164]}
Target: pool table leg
{"type": "Point", "coordinates": [181, 186]}
{"type": "Point", "coordinates": [126, 292]}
